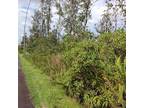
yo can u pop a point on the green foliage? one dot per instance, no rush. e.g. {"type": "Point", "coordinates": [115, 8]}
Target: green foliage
{"type": "Point", "coordinates": [90, 70]}
{"type": "Point", "coordinates": [97, 70]}
{"type": "Point", "coordinates": [69, 41]}
{"type": "Point", "coordinates": [42, 51]}
{"type": "Point", "coordinates": [44, 93]}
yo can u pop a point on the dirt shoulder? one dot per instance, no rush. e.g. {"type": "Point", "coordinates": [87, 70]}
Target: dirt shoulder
{"type": "Point", "coordinates": [24, 100]}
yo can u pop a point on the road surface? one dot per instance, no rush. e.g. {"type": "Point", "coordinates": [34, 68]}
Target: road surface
{"type": "Point", "coordinates": [24, 100]}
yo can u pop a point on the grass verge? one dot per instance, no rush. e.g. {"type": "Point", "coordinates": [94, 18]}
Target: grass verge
{"type": "Point", "coordinates": [43, 92]}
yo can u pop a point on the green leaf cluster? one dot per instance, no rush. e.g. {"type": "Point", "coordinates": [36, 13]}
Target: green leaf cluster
{"type": "Point", "coordinates": [97, 71]}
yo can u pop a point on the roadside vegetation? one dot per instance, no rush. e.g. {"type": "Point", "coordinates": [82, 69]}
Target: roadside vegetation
{"type": "Point", "coordinates": [44, 93]}
{"type": "Point", "coordinates": [77, 66]}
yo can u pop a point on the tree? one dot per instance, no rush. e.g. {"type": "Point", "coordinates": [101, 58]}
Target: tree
{"type": "Point", "coordinates": [59, 26]}
{"type": "Point", "coordinates": [37, 20]}
{"type": "Point", "coordinates": [114, 14]}
{"type": "Point", "coordinates": [86, 12]}
{"type": "Point", "coordinates": [46, 6]}
{"type": "Point", "coordinates": [117, 9]}
{"type": "Point", "coordinates": [105, 24]}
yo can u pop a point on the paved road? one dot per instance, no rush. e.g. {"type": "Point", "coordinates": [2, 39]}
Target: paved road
{"type": "Point", "coordinates": [23, 93]}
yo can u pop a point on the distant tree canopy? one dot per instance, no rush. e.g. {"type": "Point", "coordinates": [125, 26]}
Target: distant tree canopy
{"type": "Point", "coordinates": [73, 16]}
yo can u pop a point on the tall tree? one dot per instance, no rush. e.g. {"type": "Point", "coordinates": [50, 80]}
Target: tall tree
{"type": "Point", "coordinates": [85, 11]}
{"type": "Point", "coordinates": [59, 26]}
{"type": "Point", "coordinates": [36, 29]}
{"type": "Point", "coordinates": [46, 6]}
{"type": "Point", "coordinates": [70, 16]}
{"type": "Point", "coordinates": [117, 9]}
{"type": "Point", "coordinates": [105, 24]}
{"type": "Point", "coordinates": [114, 16]}
{"type": "Point", "coordinates": [76, 15]}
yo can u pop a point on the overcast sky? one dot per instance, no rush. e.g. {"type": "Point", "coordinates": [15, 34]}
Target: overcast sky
{"type": "Point", "coordinates": [22, 8]}
{"type": "Point", "coordinates": [96, 11]}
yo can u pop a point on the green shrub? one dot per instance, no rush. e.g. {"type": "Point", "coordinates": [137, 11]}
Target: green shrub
{"type": "Point", "coordinates": [96, 70]}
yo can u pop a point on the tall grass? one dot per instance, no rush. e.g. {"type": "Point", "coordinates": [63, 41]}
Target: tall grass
{"type": "Point", "coordinates": [44, 93]}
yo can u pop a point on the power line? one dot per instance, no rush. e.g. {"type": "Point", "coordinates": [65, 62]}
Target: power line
{"type": "Point", "coordinates": [26, 23]}
{"type": "Point", "coordinates": [26, 15]}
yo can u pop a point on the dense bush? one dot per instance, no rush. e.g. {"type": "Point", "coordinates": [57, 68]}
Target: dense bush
{"type": "Point", "coordinates": [97, 71]}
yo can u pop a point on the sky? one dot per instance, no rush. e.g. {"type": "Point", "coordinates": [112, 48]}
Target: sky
{"type": "Point", "coordinates": [96, 10]}
{"type": "Point", "coordinates": [22, 8]}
